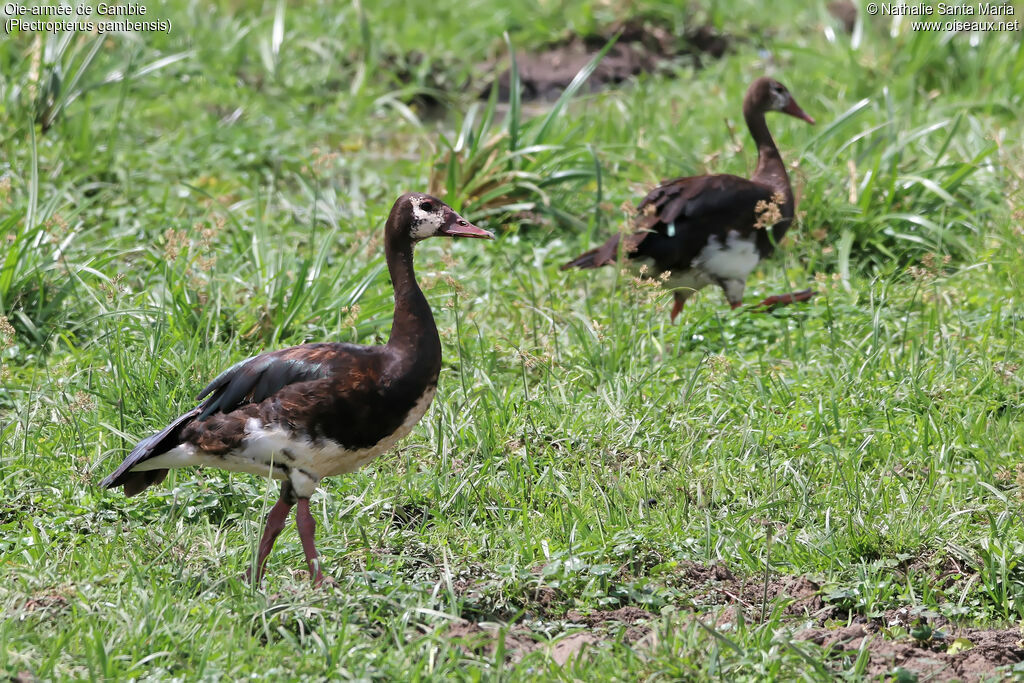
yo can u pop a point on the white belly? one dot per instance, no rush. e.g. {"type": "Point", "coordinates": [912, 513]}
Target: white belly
{"type": "Point", "coordinates": [330, 460]}
{"type": "Point", "coordinates": [734, 260]}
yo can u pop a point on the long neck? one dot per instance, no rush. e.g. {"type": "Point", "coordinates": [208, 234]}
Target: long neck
{"type": "Point", "coordinates": [413, 332]}
{"type": "Point", "coordinates": [770, 170]}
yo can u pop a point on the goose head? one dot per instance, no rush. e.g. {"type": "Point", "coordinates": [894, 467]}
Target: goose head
{"type": "Point", "coordinates": [767, 94]}
{"type": "Point", "coordinates": [422, 216]}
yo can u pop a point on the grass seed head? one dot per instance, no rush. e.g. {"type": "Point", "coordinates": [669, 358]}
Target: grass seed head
{"type": "Point", "coordinates": [769, 212]}
{"type": "Point", "coordinates": [719, 366]}
{"type": "Point", "coordinates": [56, 221]}
{"type": "Point", "coordinates": [6, 332]}
{"type": "Point", "coordinates": [455, 285]}
{"type": "Point", "coordinates": [114, 287]}
{"type": "Point", "coordinates": [828, 281]}
{"type": "Point", "coordinates": [174, 241]}
{"type": "Point", "coordinates": [81, 402]}
{"type": "Point", "coordinates": [322, 161]}
{"type": "Point", "coordinates": [931, 267]}
{"type": "Point", "coordinates": [351, 315]}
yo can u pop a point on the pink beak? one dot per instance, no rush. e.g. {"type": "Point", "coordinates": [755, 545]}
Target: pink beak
{"type": "Point", "coordinates": [460, 227]}
{"type": "Point", "coordinates": [793, 109]}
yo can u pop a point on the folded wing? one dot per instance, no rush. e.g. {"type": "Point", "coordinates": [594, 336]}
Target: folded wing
{"type": "Point", "coordinates": [251, 381]}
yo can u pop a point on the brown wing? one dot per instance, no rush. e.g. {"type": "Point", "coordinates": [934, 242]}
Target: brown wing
{"type": "Point", "coordinates": [250, 381]}
{"type": "Point", "coordinates": [257, 378]}
{"type": "Point", "coordinates": [677, 218]}
{"type": "Point", "coordinates": [690, 202]}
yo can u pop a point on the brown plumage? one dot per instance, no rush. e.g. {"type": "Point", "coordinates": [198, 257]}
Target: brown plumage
{"type": "Point", "coordinates": [714, 228]}
{"type": "Point", "coordinates": [312, 411]}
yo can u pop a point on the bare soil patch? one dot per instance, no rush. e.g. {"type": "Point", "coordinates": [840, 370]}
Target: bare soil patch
{"type": "Point", "coordinates": [644, 46]}
{"type": "Point", "coordinates": [623, 615]}
{"type": "Point", "coordinates": [965, 654]}
{"type": "Point", "coordinates": [479, 640]}
{"type": "Point", "coordinates": [845, 12]}
{"type": "Point", "coordinates": [583, 630]}
{"type": "Point", "coordinates": [944, 651]}
{"type": "Point", "coordinates": [902, 640]}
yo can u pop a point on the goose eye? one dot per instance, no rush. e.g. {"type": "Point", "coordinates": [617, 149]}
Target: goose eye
{"type": "Point", "coordinates": [427, 206]}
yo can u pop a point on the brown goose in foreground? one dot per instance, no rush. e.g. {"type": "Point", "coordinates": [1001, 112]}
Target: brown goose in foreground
{"type": "Point", "coordinates": [715, 228]}
{"type": "Point", "coordinates": [312, 411]}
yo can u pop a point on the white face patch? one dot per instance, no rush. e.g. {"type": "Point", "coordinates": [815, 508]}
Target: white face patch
{"type": "Point", "coordinates": [425, 223]}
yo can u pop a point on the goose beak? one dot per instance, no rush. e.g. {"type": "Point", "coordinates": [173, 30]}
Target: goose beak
{"type": "Point", "coordinates": [460, 227]}
{"type": "Point", "coordinates": [793, 109]}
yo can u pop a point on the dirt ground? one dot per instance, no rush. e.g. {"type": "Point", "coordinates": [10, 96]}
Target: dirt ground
{"type": "Point", "coordinates": [938, 650]}
{"type": "Point", "coordinates": [588, 629]}
{"type": "Point", "coordinates": [644, 46]}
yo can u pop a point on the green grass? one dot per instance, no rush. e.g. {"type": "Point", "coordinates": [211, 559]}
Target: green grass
{"type": "Point", "coordinates": [207, 194]}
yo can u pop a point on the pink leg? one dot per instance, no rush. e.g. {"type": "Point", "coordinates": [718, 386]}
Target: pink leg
{"type": "Point", "coordinates": [275, 524]}
{"type": "Point", "coordinates": [676, 309]}
{"type": "Point", "coordinates": [307, 526]}
{"type": "Point", "coordinates": [677, 305]}
{"type": "Point", "coordinates": [784, 299]}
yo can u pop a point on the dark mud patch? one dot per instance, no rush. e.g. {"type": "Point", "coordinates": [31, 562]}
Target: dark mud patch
{"type": "Point", "coordinates": [519, 641]}
{"type": "Point", "coordinates": [635, 623]}
{"type": "Point", "coordinates": [804, 598]}
{"type": "Point", "coordinates": [965, 654]}
{"type": "Point", "coordinates": [46, 605]}
{"type": "Point", "coordinates": [715, 584]}
{"type": "Point", "coordinates": [478, 640]}
{"type": "Point", "coordinates": [644, 46]}
{"type": "Point", "coordinates": [409, 514]}
{"type": "Point", "coordinates": [929, 647]}
{"type": "Point", "coordinates": [623, 615]}
{"type": "Point", "coordinates": [845, 12]}
{"type": "Point", "coordinates": [699, 574]}
{"type": "Point", "coordinates": [579, 632]}
{"type": "Point", "coordinates": [900, 644]}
